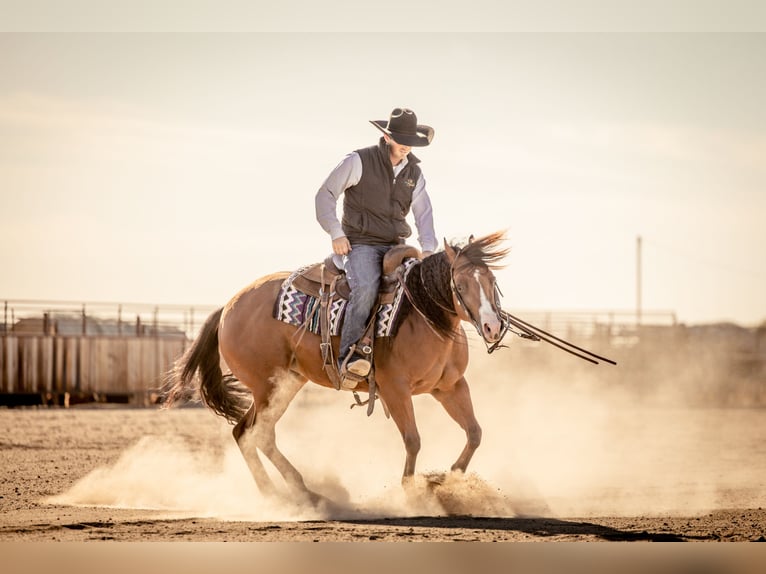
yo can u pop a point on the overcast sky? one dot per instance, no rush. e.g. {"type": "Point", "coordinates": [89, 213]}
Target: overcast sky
{"type": "Point", "coordinates": [176, 168]}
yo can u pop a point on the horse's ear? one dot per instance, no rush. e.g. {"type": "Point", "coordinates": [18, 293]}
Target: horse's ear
{"type": "Point", "coordinates": [449, 251]}
{"type": "Point", "coordinates": [470, 239]}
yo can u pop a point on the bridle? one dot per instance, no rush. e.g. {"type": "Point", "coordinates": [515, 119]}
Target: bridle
{"type": "Point", "coordinates": [504, 324]}
{"type": "Point", "coordinates": [508, 322]}
{"type": "Point", "coordinates": [522, 328]}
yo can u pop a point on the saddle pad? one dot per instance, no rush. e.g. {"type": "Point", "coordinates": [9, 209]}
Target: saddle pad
{"type": "Point", "coordinates": [295, 307]}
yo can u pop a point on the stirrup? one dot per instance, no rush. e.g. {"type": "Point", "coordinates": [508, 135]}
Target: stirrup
{"type": "Point", "coordinates": [349, 381]}
{"type": "Point", "coordinates": [354, 373]}
{"type": "Point", "coordinates": [359, 367]}
{"type": "Point", "coordinates": [354, 370]}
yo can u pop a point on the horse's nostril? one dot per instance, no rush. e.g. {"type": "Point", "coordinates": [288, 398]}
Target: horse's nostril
{"type": "Point", "coordinates": [490, 333]}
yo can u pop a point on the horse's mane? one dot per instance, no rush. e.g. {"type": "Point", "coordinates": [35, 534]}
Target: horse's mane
{"type": "Point", "coordinates": [428, 284]}
{"type": "Point", "coordinates": [485, 251]}
{"type": "Point", "coordinates": [429, 281]}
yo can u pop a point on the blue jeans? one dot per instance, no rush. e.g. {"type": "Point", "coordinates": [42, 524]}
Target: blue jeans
{"type": "Point", "coordinates": [363, 267]}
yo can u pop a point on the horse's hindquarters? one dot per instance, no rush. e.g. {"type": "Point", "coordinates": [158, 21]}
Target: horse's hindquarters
{"type": "Point", "coordinates": [252, 343]}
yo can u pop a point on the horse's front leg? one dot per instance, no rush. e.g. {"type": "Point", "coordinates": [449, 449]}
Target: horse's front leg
{"type": "Point", "coordinates": [399, 403]}
{"type": "Point", "coordinates": [457, 403]}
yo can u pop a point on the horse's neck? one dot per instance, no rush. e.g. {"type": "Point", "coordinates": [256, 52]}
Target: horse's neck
{"type": "Point", "coordinates": [430, 287]}
{"type": "Point", "coordinates": [435, 280]}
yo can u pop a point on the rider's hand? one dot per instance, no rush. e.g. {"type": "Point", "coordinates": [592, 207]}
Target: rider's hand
{"type": "Point", "coordinates": [341, 246]}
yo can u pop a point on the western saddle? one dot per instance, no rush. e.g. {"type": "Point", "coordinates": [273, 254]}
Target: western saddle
{"type": "Point", "coordinates": [326, 282]}
{"type": "Point", "coordinates": [316, 277]}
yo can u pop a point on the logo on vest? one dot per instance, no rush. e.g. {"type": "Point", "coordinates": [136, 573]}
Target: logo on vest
{"type": "Point", "coordinates": [410, 183]}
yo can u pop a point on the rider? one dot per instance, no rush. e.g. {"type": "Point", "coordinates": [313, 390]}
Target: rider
{"type": "Point", "coordinates": [381, 184]}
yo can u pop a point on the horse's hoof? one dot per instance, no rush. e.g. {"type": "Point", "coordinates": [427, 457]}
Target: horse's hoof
{"type": "Point", "coordinates": [434, 479]}
{"type": "Point", "coordinates": [323, 503]}
{"type": "Point", "coordinates": [429, 480]}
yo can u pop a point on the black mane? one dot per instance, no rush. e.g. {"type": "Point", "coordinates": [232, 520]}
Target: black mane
{"type": "Point", "coordinates": [485, 251]}
{"type": "Point", "coordinates": [429, 281]}
{"type": "Point", "coordinates": [428, 284]}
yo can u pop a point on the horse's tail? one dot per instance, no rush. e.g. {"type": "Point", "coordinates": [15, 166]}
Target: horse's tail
{"type": "Point", "coordinates": [224, 394]}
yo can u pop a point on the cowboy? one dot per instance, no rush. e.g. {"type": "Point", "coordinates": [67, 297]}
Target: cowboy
{"type": "Point", "coordinates": [380, 185]}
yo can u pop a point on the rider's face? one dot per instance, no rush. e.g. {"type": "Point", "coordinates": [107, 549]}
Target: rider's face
{"type": "Point", "coordinates": [397, 151]}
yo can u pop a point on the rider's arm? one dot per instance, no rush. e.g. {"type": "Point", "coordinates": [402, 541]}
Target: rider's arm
{"type": "Point", "coordinates": [424, 218]}
{"type": "Point", "coordinates": [346, 174]}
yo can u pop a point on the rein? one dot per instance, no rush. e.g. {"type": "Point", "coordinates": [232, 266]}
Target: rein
{"type": "Point", "coordinates": [461, 302]}
{"type": "Point", "coordinates": [529, 331]}
{"type": "Point", "coordinates": [401, 276]}
{"type": "Point", "coordinates": [457, 294]}
{"type": "Point", "coordinates": [509, 323]}
{"type": "Point", "coordinates": [449, 310]}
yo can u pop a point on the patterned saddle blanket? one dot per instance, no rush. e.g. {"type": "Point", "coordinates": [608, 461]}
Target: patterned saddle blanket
{"type": "Point", "coordinates": [297, 305]}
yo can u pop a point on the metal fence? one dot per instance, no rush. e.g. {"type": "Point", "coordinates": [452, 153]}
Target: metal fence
{"type": "Point", "coordinates": [99, 318]}
{"type": "Point", "coordinates": [55, 367]}
{"type": "Point", "coordinates": [140, 319]}
{"type": "Point", "coordinates": [96, 349]}
{"type": "Point", "coordinates": [57, 350]}
{"type": "Point", "coordinates": [615, 328]}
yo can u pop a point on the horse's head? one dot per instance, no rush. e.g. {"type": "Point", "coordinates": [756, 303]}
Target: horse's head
{"type": "Point", "coordinates": [475, 294]}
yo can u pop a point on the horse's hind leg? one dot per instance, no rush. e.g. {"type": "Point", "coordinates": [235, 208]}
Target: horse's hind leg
{"type": "Point", "coordinates": [268, 413]}
{"type": "Point", "coordinates": [457, 403]}
{"type": "Point", "coordinates": [250, 452]}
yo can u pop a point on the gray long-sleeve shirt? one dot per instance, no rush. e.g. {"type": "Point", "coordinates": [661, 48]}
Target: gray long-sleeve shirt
{"type": "Point", "coordinates": [347, 174]}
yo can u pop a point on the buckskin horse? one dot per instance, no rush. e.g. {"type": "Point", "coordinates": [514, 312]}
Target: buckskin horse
{"type": "Point", "coordinates": [428, 354]}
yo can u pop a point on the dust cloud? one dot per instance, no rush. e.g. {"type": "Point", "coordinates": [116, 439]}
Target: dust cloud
{"type": "Point", "coordinates": [655, 434]}
{"type": "Point", "coordinates": [561, 438]}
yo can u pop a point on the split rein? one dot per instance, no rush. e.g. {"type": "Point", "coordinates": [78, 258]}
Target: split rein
{"type": "Point", "coordinates": [529, 331]}
{"type": "Point", "coordinates": [510, 323]}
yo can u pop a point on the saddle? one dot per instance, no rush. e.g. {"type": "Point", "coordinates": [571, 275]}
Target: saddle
{"type": "Point", "coordinates": [315, 279]}
{"type": "Point", "coordinates": [325, 282]}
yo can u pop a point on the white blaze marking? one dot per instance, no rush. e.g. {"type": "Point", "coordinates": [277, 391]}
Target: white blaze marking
{"type": "Point", "coordinates": [486, 312]}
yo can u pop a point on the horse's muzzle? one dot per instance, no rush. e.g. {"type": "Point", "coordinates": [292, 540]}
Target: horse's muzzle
{"type": "Point", "coordinates": [491, 329]}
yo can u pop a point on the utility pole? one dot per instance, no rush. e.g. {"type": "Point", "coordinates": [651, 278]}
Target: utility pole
{"type": "Point", "coordinates": [638, 281]}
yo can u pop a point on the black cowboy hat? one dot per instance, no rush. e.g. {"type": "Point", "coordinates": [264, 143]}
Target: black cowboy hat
{"type": "Point", "coordinates": [403, 128]}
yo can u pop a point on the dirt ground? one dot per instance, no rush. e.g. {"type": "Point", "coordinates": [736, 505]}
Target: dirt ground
{"type": "Point", "coordinates": [129, 474]}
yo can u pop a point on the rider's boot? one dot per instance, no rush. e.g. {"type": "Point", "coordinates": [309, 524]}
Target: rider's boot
{"type": "Point", "coordinates": [356, 365]}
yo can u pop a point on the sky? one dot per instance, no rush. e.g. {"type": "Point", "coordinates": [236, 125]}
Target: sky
{"type": "Point", "coordinates": [176, 168]}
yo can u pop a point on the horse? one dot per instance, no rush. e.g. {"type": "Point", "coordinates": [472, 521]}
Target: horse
{"type": "Point", "coordinates": [427, 354]}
